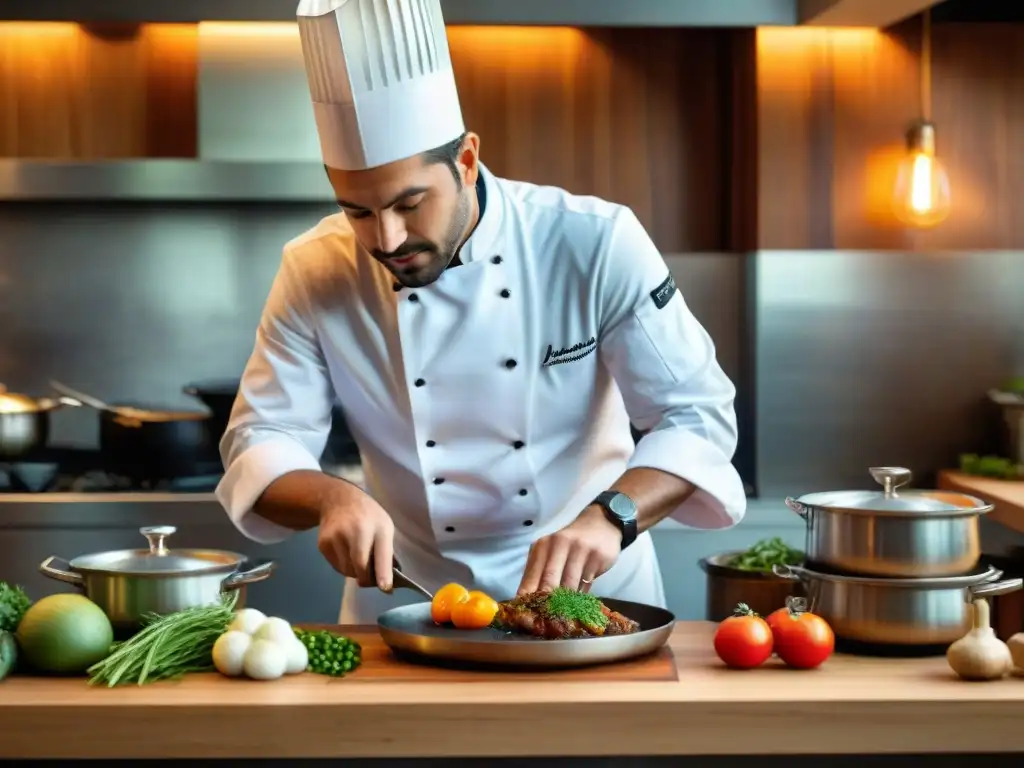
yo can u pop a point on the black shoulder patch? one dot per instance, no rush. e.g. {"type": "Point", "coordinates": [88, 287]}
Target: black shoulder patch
{"type": "Point", "coordinates": [664, 292]}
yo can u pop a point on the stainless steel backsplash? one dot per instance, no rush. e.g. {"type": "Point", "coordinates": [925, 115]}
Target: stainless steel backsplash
{"type": "Point", "coordinates": [843, 360]}
{"type": "Point", "coordinates": [131, 302]}
{"type": "Point", "coordinates": [872, 358]}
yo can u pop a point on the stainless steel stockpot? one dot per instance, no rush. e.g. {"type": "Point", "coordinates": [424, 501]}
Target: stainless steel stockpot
{"type": "Point", "coordinates": [128, 584]}
{"type": "Point", "coordinates": [897, 611]}
{"type": "Point", "coordinates": [892, 533]}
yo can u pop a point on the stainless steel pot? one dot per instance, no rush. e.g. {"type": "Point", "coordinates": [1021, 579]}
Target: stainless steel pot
{"type": "Point", "coordinates": [904, 612]}
{"type": "Point", "coordinates": [892, 533]}
{"type": "Point", "coordinates": [130, 583]}
{"type": "Point", "coordinates": [25, 422]}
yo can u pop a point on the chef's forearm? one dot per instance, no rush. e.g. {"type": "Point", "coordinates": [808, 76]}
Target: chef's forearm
{"type": "Point", "coordinates": [657, 494]}
{"type": "Point", "coordinates": [297, 499]}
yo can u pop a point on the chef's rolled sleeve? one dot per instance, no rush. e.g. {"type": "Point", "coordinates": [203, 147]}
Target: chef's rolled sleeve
{"type": "Point", "coordinates": [282, 415]}
{"type": "Point", "coordinates": [664, 363]}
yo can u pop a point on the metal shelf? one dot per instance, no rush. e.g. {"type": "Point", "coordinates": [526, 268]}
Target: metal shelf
{"type": "Point", "coordinates": [591, 13]}
{"type": "Point", "coordinates": [164, 181]}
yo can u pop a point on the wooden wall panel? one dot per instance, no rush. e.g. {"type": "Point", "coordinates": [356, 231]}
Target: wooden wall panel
{"type": "Point", "coordinates": [635, 116]}
{"type": "Point", "coordinates": [638, 116]}
{"type": "Point", "coordinates": [833, 108]}
{"type": "Point", "coordinates": [98, 93]}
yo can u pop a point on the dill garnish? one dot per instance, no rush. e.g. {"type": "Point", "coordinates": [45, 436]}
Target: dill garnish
{"type": "Point", "coordinates": [576, 606]}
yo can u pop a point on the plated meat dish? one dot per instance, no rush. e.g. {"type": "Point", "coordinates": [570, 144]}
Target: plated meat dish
{"type": "Point", "coordinates": [561, 614]}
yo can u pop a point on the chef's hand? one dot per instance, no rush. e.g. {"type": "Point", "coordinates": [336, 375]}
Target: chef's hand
{"type": "Point", "coordinates": [574, 556]}
{"type": "Point", "coordinates": [357, 539]}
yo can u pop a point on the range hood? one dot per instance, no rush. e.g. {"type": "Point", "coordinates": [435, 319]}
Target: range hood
{"type": "Point", "coordinates": [615, 13]}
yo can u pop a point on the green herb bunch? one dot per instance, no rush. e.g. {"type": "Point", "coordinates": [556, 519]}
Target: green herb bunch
{"type": "Point", "coordinates": [13, 605]}
{"type": "Point", "coordinates": [765, 554]}
{"type": "Point", "coordinates": [168, 646]}
{"type": "Point", "coordinates": [572, 605]}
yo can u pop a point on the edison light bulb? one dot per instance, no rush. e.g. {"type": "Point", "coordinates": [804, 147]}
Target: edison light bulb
{"type": "Point", "coordinates": [921, 196]}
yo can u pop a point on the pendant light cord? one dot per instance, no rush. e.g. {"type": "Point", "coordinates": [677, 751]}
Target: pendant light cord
{"type": "Point", "coordinates": [926, 65]}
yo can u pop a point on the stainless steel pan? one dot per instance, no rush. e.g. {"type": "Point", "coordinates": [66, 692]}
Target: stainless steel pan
{"type": "Point", "coordinates": [410, 630]}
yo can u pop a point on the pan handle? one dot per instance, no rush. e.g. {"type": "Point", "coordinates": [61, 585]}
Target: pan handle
{"type": "Point", "coordinates": [257, 573]}
{"type": "Point", "coordinates": [61, 573]}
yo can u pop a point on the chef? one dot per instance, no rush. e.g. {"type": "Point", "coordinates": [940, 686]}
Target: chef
{"type": "Point", "coordinates": [489, 341]}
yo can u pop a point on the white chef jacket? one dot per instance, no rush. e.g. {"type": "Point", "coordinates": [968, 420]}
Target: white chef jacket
{"type": "Point", "coordinates": [492, 406]}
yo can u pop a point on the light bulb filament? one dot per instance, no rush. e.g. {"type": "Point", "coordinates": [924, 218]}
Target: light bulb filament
{"type": "Point", "coordinates": [921, 197]}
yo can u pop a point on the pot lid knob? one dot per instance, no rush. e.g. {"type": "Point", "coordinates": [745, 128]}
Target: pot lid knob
{"type": "Point", "coordinates": [155, 535]}
{"type": "Point", "coordinates": [890, 478]}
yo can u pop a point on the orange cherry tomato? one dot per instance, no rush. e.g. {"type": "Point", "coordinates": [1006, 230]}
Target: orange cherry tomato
{"type": "Point", "coordinates": [445, 599]}
{"type": "Point", "coordinates": [475, 613]}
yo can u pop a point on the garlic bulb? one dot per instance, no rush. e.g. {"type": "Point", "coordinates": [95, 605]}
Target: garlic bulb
{"type": "Point", "coordinates": [980, 655]}
{"type": "Point", "coordinates": [1016, 646]}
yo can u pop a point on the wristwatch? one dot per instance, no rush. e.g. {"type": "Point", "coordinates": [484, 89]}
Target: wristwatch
{"type": "Point", "coordinates": [621, 510]}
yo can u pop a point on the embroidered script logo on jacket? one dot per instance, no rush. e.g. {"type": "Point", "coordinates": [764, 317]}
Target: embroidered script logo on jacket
{"type": "Point", "coordinates": [569, 354]}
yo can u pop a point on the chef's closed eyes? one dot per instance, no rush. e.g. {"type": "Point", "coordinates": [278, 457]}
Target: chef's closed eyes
{"type": "Point", "coordinates": [490, 341]}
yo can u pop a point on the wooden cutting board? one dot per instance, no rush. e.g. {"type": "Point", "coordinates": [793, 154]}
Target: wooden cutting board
{"type": "Point", "coordinates": [380, 664]}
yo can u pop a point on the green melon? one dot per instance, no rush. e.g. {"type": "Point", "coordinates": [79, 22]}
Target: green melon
{"type": "Point", "coordinates": [64, 634]}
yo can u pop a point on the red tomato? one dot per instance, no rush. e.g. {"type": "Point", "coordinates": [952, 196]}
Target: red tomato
{"type": "Point", "coordinates": [802, 639]}
{"type": "Point", "coordinates": [744, 640]}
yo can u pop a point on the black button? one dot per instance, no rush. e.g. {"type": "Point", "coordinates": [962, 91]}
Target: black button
{"type": "Point", "coordinates": [496, 260]}
{"type": "Point", "coordinates": [505, 293]}
{"type": "Point", "coordinates": [431, 443]}
{"type": "Point", "coordinates": [438, 480]}
{"type": "Point", "coordinates": [449, 528]}
{"type": "Point", "coordinates": [518, 444]}
{"type": "Point", "coordinates": [522, 491]}
{"type": "Point", "coordinates": [419, 382]}
{"type": "Point", "coordinates": [396, 287]}
{"type": "Point", "coordinates": [413, 297]}
{"type": "Point", "coordinates": [527, 523]}
{"type": "Point", "coordinates": [510, 364]}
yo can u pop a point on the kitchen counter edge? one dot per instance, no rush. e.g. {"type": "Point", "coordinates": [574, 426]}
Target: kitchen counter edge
{"type": "Point", "coordinates": [852, 705]}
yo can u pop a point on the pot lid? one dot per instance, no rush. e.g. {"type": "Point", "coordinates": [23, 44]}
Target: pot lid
{"type": "Point", "coordinates": [158, 560]}
{"type": "Point", "coordinates": [889, 499]}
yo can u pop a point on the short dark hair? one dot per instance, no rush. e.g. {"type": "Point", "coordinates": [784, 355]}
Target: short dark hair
{"type": "Point", "coordinates": [447, 154]}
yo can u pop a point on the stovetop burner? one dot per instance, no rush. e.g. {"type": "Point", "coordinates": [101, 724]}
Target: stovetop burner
{"type": "Point", "coordinates": [77, 470]}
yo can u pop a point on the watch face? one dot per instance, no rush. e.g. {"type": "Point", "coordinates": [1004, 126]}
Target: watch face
{"type": "Point", "coordinates": [622, 506]}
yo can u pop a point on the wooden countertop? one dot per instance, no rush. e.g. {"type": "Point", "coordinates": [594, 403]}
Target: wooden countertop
{"type": "Point", "coordinates": [1006, 495]}
{"type": "Point", "coordinates": [852, 705]}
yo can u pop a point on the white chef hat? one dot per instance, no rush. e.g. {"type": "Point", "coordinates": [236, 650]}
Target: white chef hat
{"type": "Point", "coordinates": [380, 75]}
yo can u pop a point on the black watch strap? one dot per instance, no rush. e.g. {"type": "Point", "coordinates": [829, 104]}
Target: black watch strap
{"type": "Point", "coordinates": [621, 510]}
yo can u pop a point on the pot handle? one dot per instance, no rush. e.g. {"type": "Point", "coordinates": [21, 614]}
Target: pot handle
{"type": "Point", "coordinates": [992, 588]}
{"type": "Point", "coordinates": [792, 572]}
{"type": "Point", "coordinates": [257, 573]}
{"type": "Point", "coordinates": [797, 507]}
{"type": "Point", "coordinates": [47, 568]}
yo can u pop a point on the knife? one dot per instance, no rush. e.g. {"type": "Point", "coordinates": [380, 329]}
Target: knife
{"type": "Point", "coordinates": [401, 581]}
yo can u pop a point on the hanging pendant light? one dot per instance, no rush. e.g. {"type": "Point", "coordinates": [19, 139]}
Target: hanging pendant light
{"type": "Point", "coordinates": [921, 196]}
